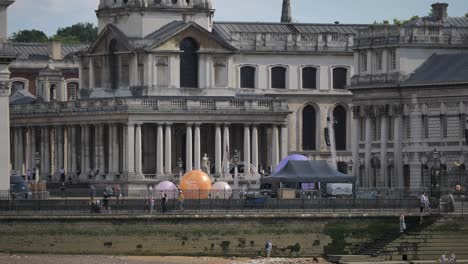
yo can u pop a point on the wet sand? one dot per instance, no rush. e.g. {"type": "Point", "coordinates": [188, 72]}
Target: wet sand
{"type": "Point", "coordinates": [87, 259]}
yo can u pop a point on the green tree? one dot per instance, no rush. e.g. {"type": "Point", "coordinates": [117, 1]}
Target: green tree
{"type": "Point", "coordinates": [29, 36]}
{"type": "Point", "coordinates": [399, 22]}
{"type": "Point", "coordinates": [466, 15]}
{"type": "Point", "coordinates": [77, 33]}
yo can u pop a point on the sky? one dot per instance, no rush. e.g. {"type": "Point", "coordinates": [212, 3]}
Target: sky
{"type": "Point", "coordinates": [49, 15]}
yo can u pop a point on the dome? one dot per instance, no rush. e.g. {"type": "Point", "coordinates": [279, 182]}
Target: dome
{"type": "Point", "coordinates": [221, 190]}
{"type": "Point", "coordinates": [284, 162]}
{"type": "Point", "coordinates": [195, 185]}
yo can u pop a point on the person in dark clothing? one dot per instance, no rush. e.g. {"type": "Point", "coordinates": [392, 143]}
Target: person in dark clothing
{"type": "Point", "coordinates": [164, 203]}
{"type": "Point", "coordinates": [105, 202]}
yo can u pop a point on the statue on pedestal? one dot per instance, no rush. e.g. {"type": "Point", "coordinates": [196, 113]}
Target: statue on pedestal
{"type": "Point", "coordinates": [206, 164]}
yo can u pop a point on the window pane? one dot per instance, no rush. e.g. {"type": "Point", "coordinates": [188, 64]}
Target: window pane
{"type": "Point", "coordinates": [309, 129]}
{"type": "Point", "coordinates": [309, 78]}
{"type": "Point", "coordinates": [247, 77]}
{"type": "Point", "coordinates": [278, 78]}
{"type": "Point", "coordinates": [189, 63]}
{"type": "Point", "coordinates": [340, 126]}
{"type": "Point", "coordinates": [340, 76]}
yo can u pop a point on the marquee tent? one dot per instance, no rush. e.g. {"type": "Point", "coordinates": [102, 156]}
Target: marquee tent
{"type": "Point", "coordinates": [308, 171]}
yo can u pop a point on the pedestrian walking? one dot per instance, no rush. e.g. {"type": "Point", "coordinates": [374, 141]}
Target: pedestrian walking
{"type": "Point", "coordinates": [151, 205]}
{"type": "Point", "coordinates": [422, 205]}
{"type": "Point", "coordinates": [62, 175]}
{"type": "Point", "coordinates": [117, 191]}
{"type": "Point", "coordinates": [164, 203]}
{"type": "Point", "coordinates": [181, 201]}
{"type": "Point", "coordinates": [105, 202]}
{"type": "Point", "coordinates": [268, 248]}
{"type": "Point", "coordinates": [402, 223]}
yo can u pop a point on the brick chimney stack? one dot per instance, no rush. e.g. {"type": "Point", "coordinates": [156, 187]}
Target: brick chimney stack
{"type": "Point", "coordinates": [440, 11]}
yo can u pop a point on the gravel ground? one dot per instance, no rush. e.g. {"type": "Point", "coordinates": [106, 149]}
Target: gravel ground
{"type": "Point", "coordinates": [86, 259]}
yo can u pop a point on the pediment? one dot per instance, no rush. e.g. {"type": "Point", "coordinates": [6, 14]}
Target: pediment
{"type": "Point", "coordinates": [170, 39]}
{"type": "Point", "coordinates": [108, 34]}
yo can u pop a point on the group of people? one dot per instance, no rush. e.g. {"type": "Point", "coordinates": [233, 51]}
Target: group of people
{"type": "Point", "coordinates": [450, 259]}
{"type": "Point", "coordinates": [150, 203]}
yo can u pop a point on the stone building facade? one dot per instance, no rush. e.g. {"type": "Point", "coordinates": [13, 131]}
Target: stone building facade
{"type": "Point", "coordinates": [410, 103]}
{"type": "Point", "coordinates": [164, 83]}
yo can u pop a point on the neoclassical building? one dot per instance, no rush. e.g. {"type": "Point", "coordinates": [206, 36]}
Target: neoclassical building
{"type": "Point", "coordinates": [410, 103]}
{"type": "Point", "coordinates": [164, 85]}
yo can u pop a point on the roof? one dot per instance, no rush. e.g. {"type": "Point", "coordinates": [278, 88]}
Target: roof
{"type": "Point", "coordinates": [309, 171]}
{"type": "Point", "coordinates": [225, 29]}
{"type": "Point", "coordinates": [432, 21]}
{"type": "Point", "coordinates": [40, 51]}
{"type": "Point", "coordinates": [441, 68]}
{"type": "Point", "coordinates": [22, 97]}
{"type": "Point", "coordinates": [171, 29]}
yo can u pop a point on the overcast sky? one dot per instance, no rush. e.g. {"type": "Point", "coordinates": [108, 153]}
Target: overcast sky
{"type": "Point", "coordinates": [48, 15]}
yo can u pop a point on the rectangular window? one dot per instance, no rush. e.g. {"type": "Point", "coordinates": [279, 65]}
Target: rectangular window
{"type": "Point", "coordinates": [425, 126]}
{"type": "Point", "coordinates": [364, 61]}
{"type": "Point", "coordinates": [98, 72]}
{"type": "Point", "coordinates": [362, 123]}
{"type": "Point", "coordinates": [376, 128]}
{"type": "Point", "coordinates": [462, 121]}
{"type": "Point", "coordinates": [71, 91]}
{"type": "Point", "coordinates": [392, 59]}
{"type": "Point", "coordinates": [390, 128]}
{"type": "Point", "coordinates": [407, 127]}
{"type": "Point", "coordinates": [443, 126]}
{"type": "Point", "coordinates": [379, 60]}
{"type": "Point", "coordinates": [125, 70]}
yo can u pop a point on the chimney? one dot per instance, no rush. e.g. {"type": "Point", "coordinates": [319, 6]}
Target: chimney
{"type": "Point", "coordinates": [55, 50]}
{"type": "Point", "coordinates": [439, 11]}
{"type": "Point", "coordinates": [286, 12]}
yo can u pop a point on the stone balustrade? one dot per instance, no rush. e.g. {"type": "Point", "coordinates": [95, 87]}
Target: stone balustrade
{"type": "Point", "coordinates": [418, 35]}
{"type": "Point", "coordinates": [153, 104]}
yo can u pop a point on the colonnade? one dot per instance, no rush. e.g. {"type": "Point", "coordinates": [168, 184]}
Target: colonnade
{"type": "Point", "coordinates": [114, 151]}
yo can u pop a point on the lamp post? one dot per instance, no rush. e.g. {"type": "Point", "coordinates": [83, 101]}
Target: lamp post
{"type": "Point", "coordinates": [235, 161]}
{"type": "Point", "coordinates": [180, 164]}
{"type": "Point", "coordinates": [38, 161]}
{"type": "Point", "coordinates": [458, 165]}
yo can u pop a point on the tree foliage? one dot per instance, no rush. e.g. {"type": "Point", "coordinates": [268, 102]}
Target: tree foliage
{"type": "Point", "coordinates": [78, 33]}
{"type": "Point", "coordinates": [399, 22]}
{"type": "Point", "coordinates": [466, 15]}
{"type": "Point", "coordinates": [29, 36]}
{"type": "Point", "coordinates": [75, 34]}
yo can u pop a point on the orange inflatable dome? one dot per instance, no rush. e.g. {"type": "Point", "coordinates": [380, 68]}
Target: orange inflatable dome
{"type": "Point", "coordinates": [195, 185]}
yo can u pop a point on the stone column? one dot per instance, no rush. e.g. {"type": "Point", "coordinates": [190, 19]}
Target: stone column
{"type": "Point", "coordinates": [73, 151]}
{"type": "Point", "coordinates": [47, 156]}
{"type": "Point", "coordinates": [226, 149]}
{"type": "Point", "coordinates": [115, 149]}
{"type": "Point", "coordinates": [189, 149]}
{"type": "Point", "coordinates": [138, 149]}
{"type": "Point", "coordinates": [284, 141]}
{"type": "Point", "coordinates": [110, 148]}
{"type": "Point", "coordinates": [97, 141]}
{"type": "Point", "coordinates": [356, 142]}
{"type": "Point", "coordinates": [196, 150]}
{"type": "Point", "coordinates": [102, 158]}
{"type": "Point", "coordinates": [27, 155]}
{"type": "Point", "coordinates": [33, 150]}
{"type": "Point", "coordinates": [218, 151]}
{"type": "Point", "coordinates": [68, 168]}
{"type": "Point", "coordinates": [397, 148]}
{"type": "Point", "coordinates": [43, 151]}
{"type": "Point", "coordinates": [275, 147]}
{"type": "Point", "coordinates": [383, 181]}
{"type": "Point", "coordinates": [60, 148]}
{"type": "Point", "coordinates": [130, 150]}
{"type": "Point", "coordinates": [368, 153]}
{"type": "Point", "coordinates": [168, 150]}
{"type": "Point", "coordinates": [246, 149]}
{"type": "Point", "coordinates": [20, 149]}
{"type": "Point", "coordinates": [5, 122]}
{"type": "Point", "coordinates": [160, 151]}
{"type": "Point", "coordinates": [255, 146]}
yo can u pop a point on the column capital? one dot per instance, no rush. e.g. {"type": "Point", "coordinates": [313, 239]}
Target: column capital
{"type": "Point", "coordinates": [198, 124]}
{"type": "Point", "coordinates": [169, 124]}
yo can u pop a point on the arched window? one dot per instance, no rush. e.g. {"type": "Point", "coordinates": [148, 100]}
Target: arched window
{"type": "Point", "coordinates": [340, 125]}
{"type": "Point", "coordinates": [340, 76]}
{"type": "Point", "coordinates": [113, 65]}
{"type": "Point", "coordinates": [309, 78]}
{"type": "Point", "coordinates": [309, 128]}
{"type": "Point", "coordinates": [278, 78]}
{"type": "Point", "coordinates": [189, 63]}
{"type": "Point", "coordinates": [247, 77]}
